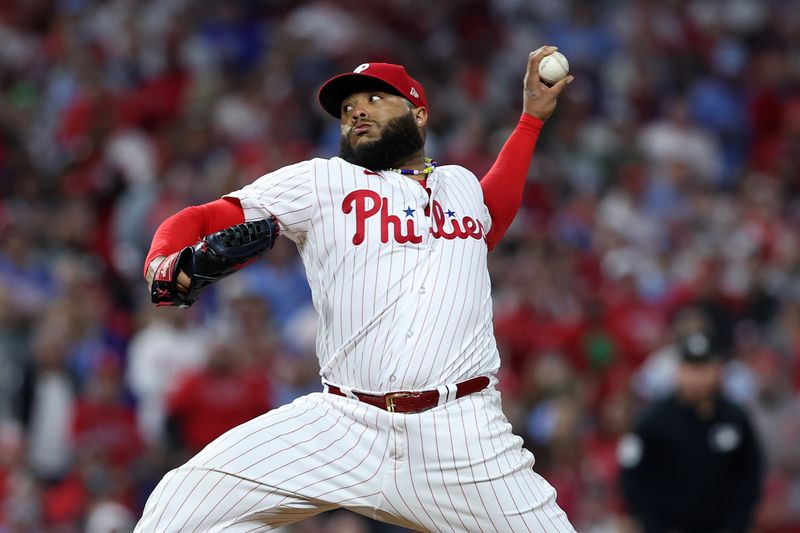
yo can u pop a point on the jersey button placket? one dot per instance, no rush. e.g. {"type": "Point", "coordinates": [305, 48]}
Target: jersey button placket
{"type": "Point", "coordinates": [432, 185]}
{"type": "Point", "coordinates": [422, 220]}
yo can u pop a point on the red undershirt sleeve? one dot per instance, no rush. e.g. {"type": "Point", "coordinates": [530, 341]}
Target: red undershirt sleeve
{"type": "Point", "coordinates": [503, 184]}
{"type": "Point", "coordinates": [189, 225]}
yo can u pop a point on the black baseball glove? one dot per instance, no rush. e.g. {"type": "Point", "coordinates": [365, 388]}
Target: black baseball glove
{"type": "Point", "coordinates": [216, 256]}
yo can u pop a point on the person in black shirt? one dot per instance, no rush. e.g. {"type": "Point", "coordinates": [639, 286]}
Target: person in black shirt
{"type": "Point", "coordinates": [692, 463]}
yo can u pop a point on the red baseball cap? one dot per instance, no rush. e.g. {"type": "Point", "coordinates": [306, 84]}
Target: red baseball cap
{"type": "Point", "coordinates": [393, 78]}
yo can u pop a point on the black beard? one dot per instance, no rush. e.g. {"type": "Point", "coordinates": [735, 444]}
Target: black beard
{"type": "Point", "coordinates": [399, 140]}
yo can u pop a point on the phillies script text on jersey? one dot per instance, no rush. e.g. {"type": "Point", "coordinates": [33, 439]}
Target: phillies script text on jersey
{"type": "Point", "coordinates": [366, 203]}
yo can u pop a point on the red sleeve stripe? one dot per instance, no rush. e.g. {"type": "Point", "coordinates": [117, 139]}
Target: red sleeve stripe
{"type": "Point", "coordinates": [189, 225]}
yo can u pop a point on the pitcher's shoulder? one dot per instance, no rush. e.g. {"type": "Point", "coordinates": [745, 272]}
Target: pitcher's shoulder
{"type": "Point", "coordinates": [333, 164]}
{"type": "Point", "coordinates": [336, 170]}
{"type": "Point", "coordinates": [456, 172]}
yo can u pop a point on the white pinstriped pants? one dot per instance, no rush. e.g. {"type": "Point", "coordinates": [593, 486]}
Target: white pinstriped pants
{"type": "Point", "coordinates": [454, 468]}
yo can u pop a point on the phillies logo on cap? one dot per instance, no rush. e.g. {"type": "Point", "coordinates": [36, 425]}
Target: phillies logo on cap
{"type": "Point", "coordinates": [371, 76]}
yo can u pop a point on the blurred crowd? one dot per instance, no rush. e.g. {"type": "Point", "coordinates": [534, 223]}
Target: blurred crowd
{"type": "Point", "coordinates": [664, 198]}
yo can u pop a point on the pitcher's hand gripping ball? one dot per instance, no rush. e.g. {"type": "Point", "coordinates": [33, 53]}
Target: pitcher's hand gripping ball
{"type": "Point", "coordinates": [553, 68]}
{"type": "Point", "coordinates": [216, 256]}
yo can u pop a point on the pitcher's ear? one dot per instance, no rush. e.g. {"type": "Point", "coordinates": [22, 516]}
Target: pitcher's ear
{"type": "Point", "coordinates": [421, 116]}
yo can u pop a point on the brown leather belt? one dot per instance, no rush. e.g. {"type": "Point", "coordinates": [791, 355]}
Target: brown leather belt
{"type": "Point", "coordinates": [413, 402]}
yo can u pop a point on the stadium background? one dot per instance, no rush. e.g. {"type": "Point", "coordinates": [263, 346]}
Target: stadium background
{"type": "Point", "coordinates": [664, 192]}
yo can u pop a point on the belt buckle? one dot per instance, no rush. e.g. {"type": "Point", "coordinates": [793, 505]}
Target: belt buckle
{"type": "Point", "coordinates": [392, 396]}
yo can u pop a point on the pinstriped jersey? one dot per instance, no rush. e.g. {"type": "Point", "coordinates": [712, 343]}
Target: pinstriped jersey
{"type": "Point", "coordinates": [397, 273]}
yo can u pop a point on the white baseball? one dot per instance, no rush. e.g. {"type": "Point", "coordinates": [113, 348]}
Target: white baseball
{"type": "Point", "coordinates": [553, 68]}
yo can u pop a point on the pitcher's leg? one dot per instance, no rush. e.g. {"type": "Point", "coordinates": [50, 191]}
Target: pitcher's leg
{"type": "Point", "coordinates": [286, 465]}
{"type": "Point", "coordinates": [514, 497]}
{"type": "Point", "coordinates": [467, 472]}
{"type": "Point", "coordinates": [220, 502]}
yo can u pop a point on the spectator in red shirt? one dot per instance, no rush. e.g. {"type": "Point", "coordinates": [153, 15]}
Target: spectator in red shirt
{"type": "Point", "coordinates": [218, 397]}
{"type": "Point", "coordinates": [103, 422]}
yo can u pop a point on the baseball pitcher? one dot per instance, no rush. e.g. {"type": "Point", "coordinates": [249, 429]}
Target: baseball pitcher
{"type": "Point", "coordinates": [408, 428]}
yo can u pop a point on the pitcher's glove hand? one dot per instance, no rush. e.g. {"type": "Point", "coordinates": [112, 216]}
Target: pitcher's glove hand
{"type": "Point", "coordinates": [216, 256]}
